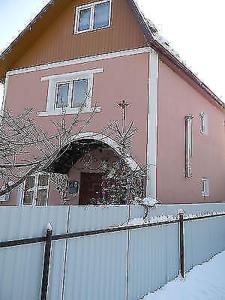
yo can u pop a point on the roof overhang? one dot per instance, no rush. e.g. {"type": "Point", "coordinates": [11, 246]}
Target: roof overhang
{"type": "Point", "coordinates": [163, 49]}
{"type": "Point", "coordinates": [27, 37]}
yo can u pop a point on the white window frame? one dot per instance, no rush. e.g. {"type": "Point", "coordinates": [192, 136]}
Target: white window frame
{"type": "Point", "coordinates": [188, 145]}
{"type": "Point", "coordinates": [35, 189]}
{"type": "Point", "coordinates": [92, 7]}
{"type": "Point", "coordinates": [55, 80]}
{"type": "Point", "coordinates": [5, 197]}
{"type": "Point", "coordinates": [205, 187]}
{"type": "Point", "coordinates": [204, 123]}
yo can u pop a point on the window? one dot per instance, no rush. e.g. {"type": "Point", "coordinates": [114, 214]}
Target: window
{"type": "Point", "coordinates": [205, 187]}
{"type": "Point", "coordinates": [93, 16]}
{"type": "Point", "coordinates": [36, 190]}
{"type": "Point", "coordinates": [70, 93]}
{"type": "Point", "coordinates": [204, 123]}
{"type": "Point", "coordinates": [188, 145]}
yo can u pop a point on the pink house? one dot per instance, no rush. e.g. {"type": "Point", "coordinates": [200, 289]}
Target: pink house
{"type": "Point", "coordinates": [111, 50]}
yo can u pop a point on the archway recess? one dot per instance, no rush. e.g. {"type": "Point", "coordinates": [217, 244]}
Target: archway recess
{"type": "Point", "coordinates": [83, 143]}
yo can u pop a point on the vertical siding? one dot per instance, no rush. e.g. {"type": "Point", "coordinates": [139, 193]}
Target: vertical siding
{"type": "Point", "coordinates": [96, 265]}
{"type": "Point", "coordinates": [153, 259]}
{"type": "Point", "coordinates": [96, 268]}
{"type": "Point", "coordinates": [122, 266]}
{"type": "Point", "coordinates": [20, 274]}
{"type": "Point", "coordinates": [203, 240]}
{"type": "Point", "coordinates": [57, 42]}
{"type": "Point", "coordinates": [21, 267]}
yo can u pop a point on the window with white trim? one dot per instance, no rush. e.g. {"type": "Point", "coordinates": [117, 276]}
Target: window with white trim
{"type": "Point", "coordinates": [204, 123]}
{"type": "Point", "coordinates": [188, 145]}
{"type": "Point", "coordinates": [71, 93]}
{"type": "Point", "coordinates": [93, 16]}
{"type": "Point", "coordinates": [205, 187]}
{"type": "Point", "coordinates": [36, 188]}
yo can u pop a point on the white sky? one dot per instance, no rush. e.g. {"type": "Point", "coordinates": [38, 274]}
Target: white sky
{"type": "Point", "coordinates": [195, 29]}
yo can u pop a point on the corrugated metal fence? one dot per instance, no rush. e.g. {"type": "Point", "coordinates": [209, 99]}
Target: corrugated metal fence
{"type": "Point", "coordinates": [122, 265]}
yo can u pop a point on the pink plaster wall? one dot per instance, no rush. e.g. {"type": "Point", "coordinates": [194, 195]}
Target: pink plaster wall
{"type": "Point", "coordinates": [176, 99]}
{"type": "Point", "coordinates": [123, 78]}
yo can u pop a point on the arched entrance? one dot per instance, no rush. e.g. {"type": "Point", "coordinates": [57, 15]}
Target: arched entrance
{"type": "Point", "coordinates": [83, 161]}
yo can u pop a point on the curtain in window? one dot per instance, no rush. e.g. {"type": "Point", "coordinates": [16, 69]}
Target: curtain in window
{"type": "Point", "coordinates": [101, 18]}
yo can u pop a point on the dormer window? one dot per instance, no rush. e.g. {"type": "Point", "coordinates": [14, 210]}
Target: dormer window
{"type": "Point", "coordinates": [93, 16]}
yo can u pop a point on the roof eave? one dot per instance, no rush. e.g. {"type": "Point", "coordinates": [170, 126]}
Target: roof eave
{"type": "Point", "coordinates": [161, 49]}
{"type": "Point", "coordinates": [158, 47]}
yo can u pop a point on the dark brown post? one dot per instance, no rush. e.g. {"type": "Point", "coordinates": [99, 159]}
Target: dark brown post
{"type": "Point", "coordinates": [181, 242]}
{"type": "Point", "coordinates": [47, 256]}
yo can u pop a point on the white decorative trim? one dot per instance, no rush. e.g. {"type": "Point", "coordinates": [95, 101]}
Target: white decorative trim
{"type": "Point", "coordinates": [81, 60]}
{"type": "Point", "coordinates": [74, 75]}
{"type": "Point", "coordinates": [70, 111]}
{"type": "Point", "coordinates": [204, 123]}
{"type": "Point", "coordinates": [4, 95]}
{"type": "Point", "coordinates": [205, 187]}
{"type": "Point", "coordinates": [54, 80]}
{"type": "Point", "coordinates": [110, 142]}
{"type": "Point", "coordinates": [36, 188]}
{"type": "Point", "coordinates": [91, 5]}
{"type": "Point", "coordinates": [151, 187]}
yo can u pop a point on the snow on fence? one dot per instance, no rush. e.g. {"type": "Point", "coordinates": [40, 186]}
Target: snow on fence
{"type": "Point", "coordinates": [123, 262]}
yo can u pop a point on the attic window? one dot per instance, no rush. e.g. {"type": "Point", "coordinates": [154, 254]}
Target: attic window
{"type": "Point", "coordinates": [93, 16]}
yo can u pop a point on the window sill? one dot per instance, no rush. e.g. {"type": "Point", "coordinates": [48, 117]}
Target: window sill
{"type": "Point", "coordinates": [91, 30]}
{"type": "Point", "coordinates": [70, 111]}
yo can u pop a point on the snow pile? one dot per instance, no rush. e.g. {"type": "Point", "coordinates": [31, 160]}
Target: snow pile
{"type": "Point", "coordinates": [136, 221]}
{"type": "Point", "coordinates": [203, 282]}
{"type": "Point", "coordinates": [152, 220]}
{"type": "Point", "coordinates": [150, 201]}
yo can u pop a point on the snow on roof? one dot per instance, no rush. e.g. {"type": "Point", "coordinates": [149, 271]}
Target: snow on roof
{"type": "Point", "coordinates": [155, 35]}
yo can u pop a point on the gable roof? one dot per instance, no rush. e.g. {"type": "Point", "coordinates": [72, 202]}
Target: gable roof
{"type": "Point", "coordinates": [53, 9]}
{"type": "Point", "coordinates": [30, 34]}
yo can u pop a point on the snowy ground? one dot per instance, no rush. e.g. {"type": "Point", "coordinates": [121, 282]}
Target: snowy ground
{"type": "Point", "coordinates": [205, 282]}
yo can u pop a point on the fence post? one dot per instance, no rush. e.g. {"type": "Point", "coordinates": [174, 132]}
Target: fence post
{"type": "Point", "coordinates": [181, 244]}
{"type": "Point", "coordinates": [47, 256]}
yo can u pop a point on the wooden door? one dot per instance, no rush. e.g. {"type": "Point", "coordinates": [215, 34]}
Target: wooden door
{"type": "Point", "coordinates": [90, 187]}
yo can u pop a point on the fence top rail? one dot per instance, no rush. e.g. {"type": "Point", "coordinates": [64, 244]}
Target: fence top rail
{"type": "Point", "coordinates": [175, 220]}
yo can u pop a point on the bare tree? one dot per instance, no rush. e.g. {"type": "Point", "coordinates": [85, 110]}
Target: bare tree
{"type": "Point", "coordinates": [25, 148]}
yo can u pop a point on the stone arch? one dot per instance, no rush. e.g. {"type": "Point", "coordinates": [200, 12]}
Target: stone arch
{"type": "Point", "coordinates": [108, 141]}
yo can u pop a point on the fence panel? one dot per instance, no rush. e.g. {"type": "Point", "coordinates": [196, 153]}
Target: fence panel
{"type": "Point", "coordinates": [84, 218]}
{"type": "Point", "coordinates": [203, 239]}
{"type": "Point", "coordinates": [153, 259]}
{"type": "Point", "coordinates": [120, 265]}
{"type": "Point", "coordinates": [21, 272]}
{"type": "Point", "coordinates": [21, 266]}
{"type": "Point", "coordinates": [96, 265]}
